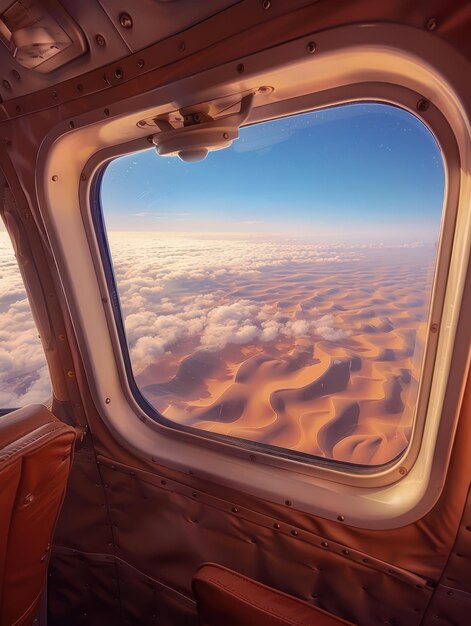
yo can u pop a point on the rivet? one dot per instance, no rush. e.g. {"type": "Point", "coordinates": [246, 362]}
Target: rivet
{"type": "Point", "coordinates": [55, 177]}
{"type": "Point", "coordinates": [107, 400]}
{"type": "Point", "coordinates": [294, 533]}
{"type": "Point", "coordinates": [106, 112]}
{"type": "Point", "coordinates": [346, 552]}
{"type": "Point", "coordinates": [125, 20]}
{"type": "Point", "coordinates": [79, 87]}
{"type": "Point", "coordinates": [62, 337]}
{"type": "Point", "coordinates": [434, 328]}
{"type": "Point", "coordinates": [311, 47]}
{"type": "Point", "coordinates": [450, 593]}
{"type": "Point", "coordinates": [194, 494]}
{"type": "Point", "coordinates": [366, 560]}
{"type": "Point", "coordinates": [266, 4]}
{"type": "Point", "coordinates": [276, 526]}
{"type": "Point", "coordinates": [100, 40]}
{"type": "Point", "coordinates": [16, 75]}
{"type": "Point", "coordinates": [402, 470]}
{"type": "Point", "coordinates": [324, 544]}
{"type": "Point", "coordinates": [235, 509]}
{"type": "Point", "coordinates": [118, 73]}
{"type": "Point", "coordinates": [70, 374]}
{"type": "Point", "coordinates": [182, 46]}
{"type": "Point", "coordinates": [54, 95]}
{"type": "Point", "coordinates": [240, 68]}
{"type": "Point", "coordinates": [140, 63]}
{"type": "Point", "coordinates": [7, 85]}
{"type": "Point", "coordinates": [431, 24]}
{"type": "Point", "coordinates": [104, 300]}
{"type": "Point", "coordinates": [423, 104]}
{"type": "Point", "coordinates": [225, 135]}
{"type": "Point", "coordinates": [341, 518]}
{"type": "Point", "coordinates": [71, 124]}
{"type": "Point", "coordinates": [390, 571]}
{"type": "Point", "coordinates": [288, 502]}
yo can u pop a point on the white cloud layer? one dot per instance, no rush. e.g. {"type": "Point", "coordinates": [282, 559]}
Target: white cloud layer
{"type": "Point", "coordinates": [24, 376]}
{"type": "Point", "coordinates": [211, 293]}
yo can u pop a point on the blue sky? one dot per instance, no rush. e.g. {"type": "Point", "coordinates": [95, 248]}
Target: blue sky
{"type": "Point", "coordinates": [361, 172]}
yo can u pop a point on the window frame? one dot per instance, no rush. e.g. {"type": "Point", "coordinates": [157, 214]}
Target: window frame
{"type": "Point", "coordinates": [406, 457]}
{"type": "Point", "coordinates": [374, 493]}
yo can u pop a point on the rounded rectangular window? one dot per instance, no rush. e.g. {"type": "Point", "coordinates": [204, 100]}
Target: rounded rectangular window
{"type": "Point", "coordinates": [278, 292]}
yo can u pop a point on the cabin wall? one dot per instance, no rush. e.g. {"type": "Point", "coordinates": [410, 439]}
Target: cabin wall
{"type": "Point", "coordinates": [132, 534]}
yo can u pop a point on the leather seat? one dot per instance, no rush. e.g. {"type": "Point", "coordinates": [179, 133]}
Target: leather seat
{"type": "Point", "coordinates": [224, 597]}
{"type": "Point", "coordinates": [35, 459]}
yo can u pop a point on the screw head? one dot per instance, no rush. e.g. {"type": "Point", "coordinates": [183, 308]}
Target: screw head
{"type": "Point", "coordinates": [240, 68]}
{"type": "Point", "coordinates": [341, 518]}
{"type": "Point", "coordinates": [403, 471]}
{"type": "Point", "coordinates": [140, 63]}
{"type": "Point", "coordinates": [431, 24]}
{"type": "Point", "coordinates": [118, 73]}
{"type": "Point", "coordinates": [423, 105]}
{"type": "Point", "coordinates": [107, 400]}
{"type": "Point", "coordinates": [126, 20]}
{"type": "Point", "coordinates": [266, 4]}
{"type": "Point", "coordinates": [100, 41]}
{"type": "Point", "coordinates": [311, 47]}
{"type": "Point", "coordinates": [434, 328]}
{"type": "Point", "coordinates": [55, 177]}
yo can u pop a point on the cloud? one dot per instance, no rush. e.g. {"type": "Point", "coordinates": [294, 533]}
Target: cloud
{"type": "Point", "coordinates": [24, 376]}
{"type": "Point", "coordinates": [207, 294]}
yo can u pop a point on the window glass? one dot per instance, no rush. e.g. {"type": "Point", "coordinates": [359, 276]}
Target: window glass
{"type": "Point", "coordinates": [24, 377]}
{"type": "Point", "coordinates": [278, 291]}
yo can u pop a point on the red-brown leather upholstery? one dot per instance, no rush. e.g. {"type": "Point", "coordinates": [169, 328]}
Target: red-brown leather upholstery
{"type": "Point", "coordinates": [226, 598]}
{"type": "Point", "coordinates": [35, 459]}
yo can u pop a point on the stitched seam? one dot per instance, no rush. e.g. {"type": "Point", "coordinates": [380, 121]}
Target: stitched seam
{"type": "Point", "coordinates": [7, 455]}
{"type": "Point", "coordinates": [269, 610]}
{"type": "Point", "coordinates": [277, 616]}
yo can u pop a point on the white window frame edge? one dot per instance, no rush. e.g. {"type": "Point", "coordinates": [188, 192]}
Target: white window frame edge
{"type": "Point", "coordinates": [402, 58]}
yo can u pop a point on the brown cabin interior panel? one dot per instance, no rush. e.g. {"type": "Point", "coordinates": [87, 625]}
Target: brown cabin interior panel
{"type": "Point", "coordinates": [132, 534]}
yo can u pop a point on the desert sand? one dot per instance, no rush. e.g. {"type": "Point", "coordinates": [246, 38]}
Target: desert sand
{"type": "Point", "coordinates": [318, 352]}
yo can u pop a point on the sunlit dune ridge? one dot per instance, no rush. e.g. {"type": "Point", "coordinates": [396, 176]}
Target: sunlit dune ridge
{"type": "Point", "coordinates": [311, 347]}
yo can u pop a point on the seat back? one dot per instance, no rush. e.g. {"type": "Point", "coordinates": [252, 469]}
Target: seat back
{"type": "Point", "coordinates": [226, 597]}
{"type": "Point", "coordinates": [35, 459]}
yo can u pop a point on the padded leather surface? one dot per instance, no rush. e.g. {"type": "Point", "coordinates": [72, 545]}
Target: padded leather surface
{"type": "Point", "coordinates": [35, 459]}
{"type": "Point", "coordinates": [224, 597]}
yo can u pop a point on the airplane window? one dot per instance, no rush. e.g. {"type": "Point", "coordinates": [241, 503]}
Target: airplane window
{"type": "Point", "coordinates": [24, 376]}
{"type": "Point", "coordinates": [278, 292]}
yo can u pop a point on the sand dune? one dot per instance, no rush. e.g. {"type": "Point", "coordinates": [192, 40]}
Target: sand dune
{"type": "Point", "coordinates": [321, 358]}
